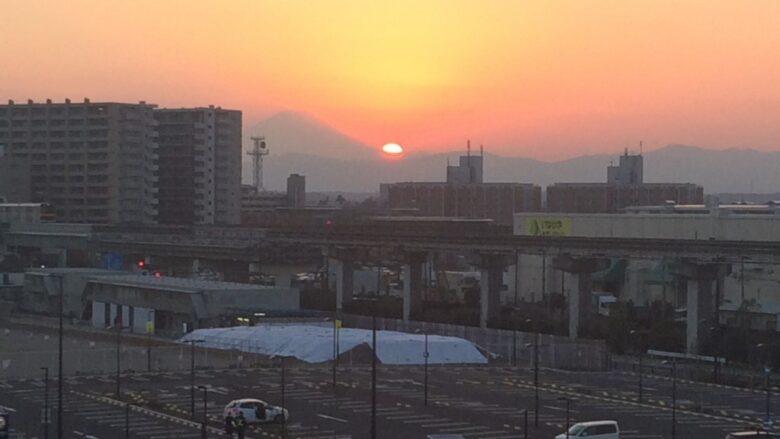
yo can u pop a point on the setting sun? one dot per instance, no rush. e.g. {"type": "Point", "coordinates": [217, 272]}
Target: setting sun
{"type": "Point", "coordinates": [392, 149]}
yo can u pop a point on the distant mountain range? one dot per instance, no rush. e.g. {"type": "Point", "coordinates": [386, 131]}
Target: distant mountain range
{"type": "Point", "coordinates": [332, 161]}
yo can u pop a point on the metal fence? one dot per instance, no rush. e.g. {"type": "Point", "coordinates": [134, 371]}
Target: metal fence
{"type": "Point", "coordinates": [505, 347]}
{"type": "Point", "coordinates": [103, 361]}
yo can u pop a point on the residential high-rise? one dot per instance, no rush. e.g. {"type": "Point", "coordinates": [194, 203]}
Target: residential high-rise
{"type": "Point", "coordinates": [296, 190]}
{"type": "Point", "coordinates": [93, 162]}
{"type": "Point", "coordinates": [200, 165]}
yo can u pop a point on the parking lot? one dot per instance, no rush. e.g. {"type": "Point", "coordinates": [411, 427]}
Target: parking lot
{"type": "Point", "coordinates": [476, 402]}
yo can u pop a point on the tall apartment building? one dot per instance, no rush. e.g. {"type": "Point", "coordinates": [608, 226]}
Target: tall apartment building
{"type": "Point", "coordinates": [200, 165]}
{"type": "Point", "coordinates": [93, 162]}
{"type": "Point", "coordinates": [625, 187]}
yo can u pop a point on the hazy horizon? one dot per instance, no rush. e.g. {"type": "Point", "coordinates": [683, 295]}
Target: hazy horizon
{"type": "Point", "coordinates": [543, 79]}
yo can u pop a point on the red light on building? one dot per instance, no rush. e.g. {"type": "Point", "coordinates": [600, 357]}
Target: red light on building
{"type": "Point", "coordinates": [141, 263]}
{"type": "Point", "coordinates": [157, 274]}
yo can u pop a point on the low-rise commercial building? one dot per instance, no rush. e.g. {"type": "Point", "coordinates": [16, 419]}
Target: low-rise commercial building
{"type": "Point", "coordinates": [624, 187]}
{"type": "Point", "coordinates": [464, 195]}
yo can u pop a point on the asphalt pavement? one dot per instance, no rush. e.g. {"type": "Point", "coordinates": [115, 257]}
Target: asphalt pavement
{"type": "Point", "coordinates": [476, 402]}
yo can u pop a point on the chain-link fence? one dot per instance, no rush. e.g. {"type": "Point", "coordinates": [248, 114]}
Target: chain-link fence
{"type": "Point", "coordinates": [505, 347]}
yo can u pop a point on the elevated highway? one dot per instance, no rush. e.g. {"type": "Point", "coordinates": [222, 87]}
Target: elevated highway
{"type": "Point", "coordinates": [253, 244]}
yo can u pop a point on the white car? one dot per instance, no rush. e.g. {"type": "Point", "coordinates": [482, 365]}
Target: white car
{"type": "Point", "coordinates": [593, 430]}
{"type": "Point", "coordinates": [256, 411]}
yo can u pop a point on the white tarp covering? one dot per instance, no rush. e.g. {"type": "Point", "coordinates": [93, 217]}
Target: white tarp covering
{"type": "Point", "coordinates": [314, 343]}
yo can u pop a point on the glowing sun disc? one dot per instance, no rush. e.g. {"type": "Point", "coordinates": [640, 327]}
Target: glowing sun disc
{"type": "Point", "coordinates": [392, 149]}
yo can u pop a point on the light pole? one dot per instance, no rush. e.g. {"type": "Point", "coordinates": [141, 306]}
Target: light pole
{"type": "Point", "coordinates": [284, 421]}
{"type": "Point", "coordinates": [536, 372]}
{"type": "Point", "coordinates": [674, 396]}
{"type": "Point", "coordinates": [59, 356]}
{"type": "Point", "coordinates": [149, 330]}
{"type": "Point", "coordinates": [715, 330]}
{"type": "Point", "coordinates": [568, 402]}
{"type": "Point", "coordinates": [45, 416]}
{"type": "Point", "coordinates": [373, 371]}
{"type": "Point", "coordinates": [118, 324]}
{"type": "Point", "coordinates": [425, 368]}
{"type": "Point", "coordinates": [204, 424]}
{"type": "Point", "coordinates": [639, 355]}
{"type": "Point", "coordinates": [127, 420]}
{"type": "Point", "coordinates": [767, 371]}
{"type": "Point", "coordinates": [335, 348]}
{"type": "Point", "coordinates": [192, 375]}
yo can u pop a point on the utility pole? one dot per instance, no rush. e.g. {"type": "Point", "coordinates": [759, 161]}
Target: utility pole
{"type": "Point", "coordinates": [59, 361]}
{"type": "Point", "coordinates": [427, 354]}
{"type": "Point", "coordinates": [284, 422]}
{"type": "Point", "coordinates": [373, 372]}
{"type": "Point", "coordinates": [127, 420]}
{"type": "Point", "coordinates": [536, 371]}
{"type": "Point", "coordinates": [46, 418]}
{"type": "Point", "coordinates": [149, 330]}
{"type": "Point", "coordinates": [118, 324]}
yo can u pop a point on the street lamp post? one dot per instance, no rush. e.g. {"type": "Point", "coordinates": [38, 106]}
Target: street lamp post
{"type": "Point", "coordinates": [118, 324]}
{"type": "Point", "coordinates": [284, 422]}
{"type": "Point", "coordinates": [716, 333]}
{"type": "Point", "coordinates": [45, 402]}
{"type": "Point", "coordinates": [768, 395]}
{"type": "Point", "coordinates": [568, 403]}
{"type": "Point", "coordinates": [127, 420]}
{"type": "Point", "coordinates": [767, 371]}
{"type": "Point", "coordinates": [59, 357]}
{"type": "Point", "coordinates": [536, 373]}
{"type": "Point", "coordinates": [192, 375]}
{"type": "Point", "coordinates": [639, 355]}
{"type": "Point", "coordinates": [425, 368]}
{"type": "Point", "coordinates": [205, 423]}
{"type": "Point", "coordinates": [674, 396]}
{"type": "Point", "coordinates": [335, 348]}
{"type": "Point", "coordinates": [373, 373]}
{"type": "Point", "coordinates": [149, 329]}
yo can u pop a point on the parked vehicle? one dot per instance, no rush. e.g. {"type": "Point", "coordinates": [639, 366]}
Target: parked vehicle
{"type": "Point", "coordinates": [256, 411]}
{"type": "Point", "coordinates": [593, 430]}
{"type": "Point", "coordinates": [752, 434]}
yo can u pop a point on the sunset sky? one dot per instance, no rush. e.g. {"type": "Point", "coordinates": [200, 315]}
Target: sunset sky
{"type": "Point", "coordinates": [541, 78]}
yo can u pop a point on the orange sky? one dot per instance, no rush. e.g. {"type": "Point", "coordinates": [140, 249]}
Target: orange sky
{"type": "Point", "coordinates": [542, 78]}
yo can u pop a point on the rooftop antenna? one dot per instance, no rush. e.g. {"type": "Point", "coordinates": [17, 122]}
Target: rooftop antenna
{"type": "Point", "coordinates": [257, 153]}
{"type": "Point", "coordinates": [640, 147]}
{"type": "Point", "coordinates": [482, 150]}
{"type": "Point", "coordinates": [468, 147]}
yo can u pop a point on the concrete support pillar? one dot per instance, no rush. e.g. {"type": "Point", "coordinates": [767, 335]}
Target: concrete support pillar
{"type": "Point", "coordinates": [491, 267]}
{"type": "Point", "coordinates": [580, 287]}
{"type": "Point", "coordinates": [702, 282]}
{"type": "Point", "coordinates": [195, 267]}
{"type": "Point", "coordinates": [62, 258]}
{"type": "Point", "coordinates": [345, 276]}
{"type": "Point", "coordinates": [413, 280]}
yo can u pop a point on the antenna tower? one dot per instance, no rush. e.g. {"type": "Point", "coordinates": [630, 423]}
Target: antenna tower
{"type": "Point", "coordinates": [257, 153]}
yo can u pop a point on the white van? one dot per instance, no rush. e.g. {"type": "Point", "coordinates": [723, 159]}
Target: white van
{"type": "Point", "coordinates": [593, 430]}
